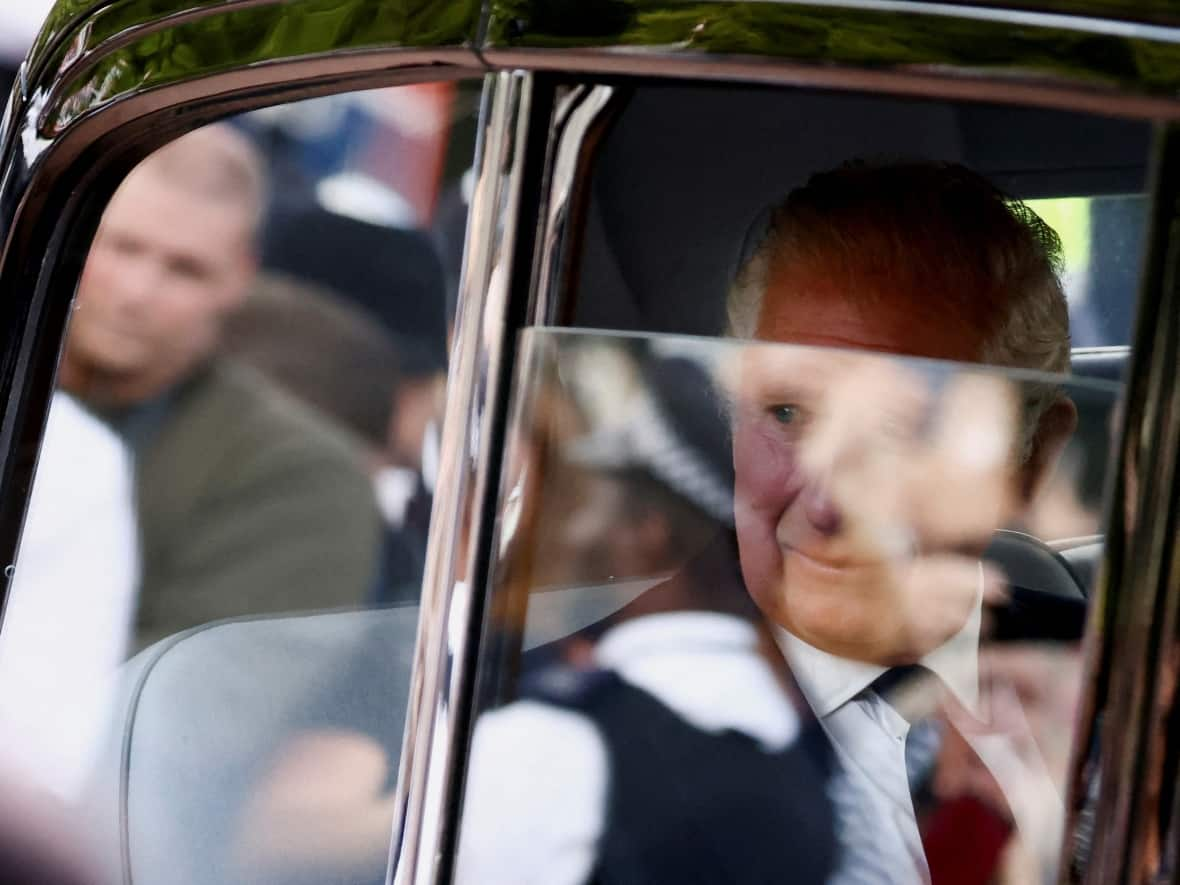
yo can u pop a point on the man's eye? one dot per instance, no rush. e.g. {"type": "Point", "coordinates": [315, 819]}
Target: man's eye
{"type": "Point", "coordinates": [188, 270]}
{"type": "Point", "coordinates": [785, 413]}
{"type": "Point", "coordinates": [120, 245]}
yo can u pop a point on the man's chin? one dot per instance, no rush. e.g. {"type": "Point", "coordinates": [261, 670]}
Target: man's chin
{"type": "Point", "coordinates": [111, 355]}
{"type": "Point", "coordinates": [104, 383]}
{"type": "Point", "coordinates": [838, 569]}
{"type": "Point", "coordinates": [829, 603]}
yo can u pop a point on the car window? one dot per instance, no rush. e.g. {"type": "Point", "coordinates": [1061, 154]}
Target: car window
{"type": "Point", "coordinates": [780, 611]}
{"type": "Point", "coordinates": [805, 492]}
{"type": "Point", "coordinates": [227, 536]}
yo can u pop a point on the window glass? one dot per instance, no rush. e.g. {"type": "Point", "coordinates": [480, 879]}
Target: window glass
{"type": "Point", "coordinates": [227, 534]}
{"type": "Point", "coordinates": [1102, 242]}
{"type": "Point", "coordinates": [782, 612]}
{"type": "Point", "coordinates": [810, 608]}
{"type": "Point", "coordinates": [680, 185]}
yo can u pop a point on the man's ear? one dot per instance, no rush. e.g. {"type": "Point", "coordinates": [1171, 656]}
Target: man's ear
{"type": "Point", "coordinates": [1055, 427]}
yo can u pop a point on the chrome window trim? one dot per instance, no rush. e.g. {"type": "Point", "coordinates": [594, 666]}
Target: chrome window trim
{"type": "Point", "coordinates": [1101, 349]}
{"type": "Point", "coordinates": [585, 107]}
{"type": "Point", "coordinates": [948, 84]}
{"type": "Point", "coordinates": [441, 687]}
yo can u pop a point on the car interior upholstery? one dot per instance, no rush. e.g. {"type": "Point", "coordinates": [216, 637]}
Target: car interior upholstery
{"type": "Point", "coordinates": [683, 172]}
{"type": "Point", "coordinates": [201, 714]}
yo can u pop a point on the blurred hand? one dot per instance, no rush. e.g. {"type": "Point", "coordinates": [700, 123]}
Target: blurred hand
{"type": "Point", "coordinates": [1021, 736]}
{"type": "Point", "coordinates": [322, 808]}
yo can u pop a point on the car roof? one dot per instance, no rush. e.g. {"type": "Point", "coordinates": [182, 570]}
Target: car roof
{"type": "Point", "coordinates": [93, 51]}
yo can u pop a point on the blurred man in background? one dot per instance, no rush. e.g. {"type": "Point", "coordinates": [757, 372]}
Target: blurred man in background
{"type": "Point", "coordinates": [247, 502]}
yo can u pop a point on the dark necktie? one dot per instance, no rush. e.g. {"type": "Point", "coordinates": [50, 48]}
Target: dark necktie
{"type": "Point", "coordinates": [864, 861]}
{"type": "Point", "coordinates": [944, 822]}
{"type": "Point", "coordinates": [924, 738]}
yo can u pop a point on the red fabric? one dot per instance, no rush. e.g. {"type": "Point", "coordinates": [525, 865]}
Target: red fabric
{"type": "Point", "coordinates": [964, 840]}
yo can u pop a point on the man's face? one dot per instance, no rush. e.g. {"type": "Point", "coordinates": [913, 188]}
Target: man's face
{"type": "Point", "coordinates": [165, 269]}
{"type": "Point", "coordinates": [860, 508]}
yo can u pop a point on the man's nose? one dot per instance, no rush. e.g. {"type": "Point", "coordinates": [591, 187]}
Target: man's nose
{"type": "Point", "coordinates": [136, 283]}
{"type": "Point", "coordinates": [822, 512]}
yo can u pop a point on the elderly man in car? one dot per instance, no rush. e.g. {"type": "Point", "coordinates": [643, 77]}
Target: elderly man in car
{"type": "Point", "coordinates": [858, 546]}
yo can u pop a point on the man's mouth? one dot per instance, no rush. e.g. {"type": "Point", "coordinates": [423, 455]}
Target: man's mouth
{"type": "Point", "coordinates": [116, 329]}
{"type": "Point", "coordinates": [829, 562]}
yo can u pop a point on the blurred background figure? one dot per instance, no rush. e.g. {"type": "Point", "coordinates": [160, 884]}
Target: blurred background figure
{"type": "Point", "coordinates": [38, 840]}
{"type": "Point", "coordinates": [364, 216]}
{"type": "Point", "coordinates": [322, 349]}
{"type": "Point", "coordinates": [66, 630]}
{"type": "Point", "coordinates": [70, 605]}
{"type": "Point", "coordinates": [650, 486]}
{"type": "Point", "coordinates": [379, 388]}
{"type": "Point", "coordinates": [394, 278]}
{"type": "Point", "coordinates": [247, 501]}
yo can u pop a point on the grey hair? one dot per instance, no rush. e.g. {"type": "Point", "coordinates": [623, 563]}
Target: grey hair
{"type": "Point", "coordinates": [1033, 334]}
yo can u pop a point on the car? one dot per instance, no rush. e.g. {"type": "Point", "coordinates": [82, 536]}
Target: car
{"type": "Point", "coordinates": [621, 157]}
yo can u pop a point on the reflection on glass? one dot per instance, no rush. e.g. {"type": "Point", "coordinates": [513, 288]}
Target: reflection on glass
{"type": "Point", "coordinates": [788, 614]}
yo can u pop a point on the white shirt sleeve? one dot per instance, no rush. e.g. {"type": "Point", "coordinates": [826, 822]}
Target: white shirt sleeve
{"type": "Point", "coordinates": [535, 800]}
{"type": "Point", "coordinates": [71, 602]}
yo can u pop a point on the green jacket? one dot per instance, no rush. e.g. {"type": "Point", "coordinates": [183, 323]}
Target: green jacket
{"type": "Point", "coordinates": [248, 503]}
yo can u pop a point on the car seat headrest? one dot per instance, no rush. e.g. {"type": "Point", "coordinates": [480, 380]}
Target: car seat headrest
{"type": "Point", "coordinates": [1030, 563]}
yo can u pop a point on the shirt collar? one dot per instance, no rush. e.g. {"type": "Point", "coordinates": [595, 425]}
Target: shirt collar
{"type": "Point", "coordinates": [676, 631]}
{"type": "Point", "coordinates": [829, 681]}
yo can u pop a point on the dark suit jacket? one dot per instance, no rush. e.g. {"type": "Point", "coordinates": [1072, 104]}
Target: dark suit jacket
{"type": "Point", "coordinates": [248, 503]}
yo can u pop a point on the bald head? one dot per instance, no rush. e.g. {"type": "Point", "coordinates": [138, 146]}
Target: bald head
{"type": "Point", "coordinates": [175, 254]}
{"type": "Point", "coordinates": [216, 164]}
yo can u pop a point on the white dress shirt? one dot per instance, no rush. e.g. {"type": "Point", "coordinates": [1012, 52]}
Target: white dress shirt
{"type": "Point", "coordinates": [537, 781]}
{"type": "Point", "coordinates": [70, 605]}
{"type": "Point", "coordinates": [869, 735]}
